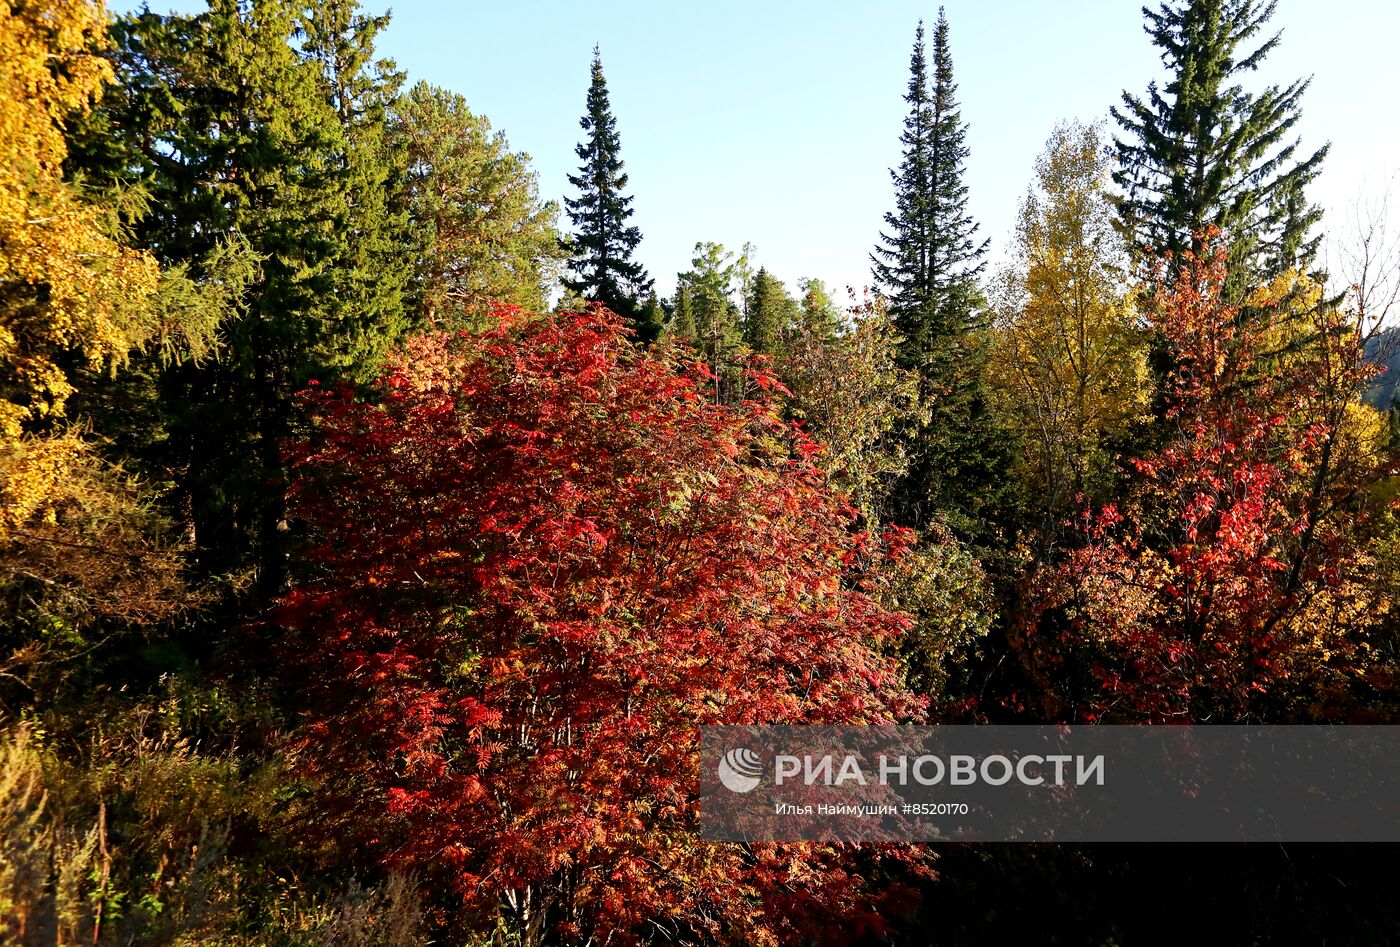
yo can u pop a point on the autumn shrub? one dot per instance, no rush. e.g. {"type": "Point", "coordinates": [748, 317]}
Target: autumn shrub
{"type": "Point", "coordinates": [541, 559]}
{"type": "Point", "coordinates": [1234, 584]}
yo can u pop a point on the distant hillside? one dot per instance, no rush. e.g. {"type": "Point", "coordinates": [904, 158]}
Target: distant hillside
{"type": "Point", "coordinates": [1384, 349]}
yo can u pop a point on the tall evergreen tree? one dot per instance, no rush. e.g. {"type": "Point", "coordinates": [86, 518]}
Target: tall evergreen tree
{"type": "Point", "coordinates": [714, 290]}
{"type": "Point", "coordinates": [956, 257]}
{"type": "Point", "coordinates": [901, 261]}
{"type": "Point", "coordinates": [769, 313]}
{"type": "Point", "coordinates": [339, 37]}
{"type": "Point", "coordinates": [653, 317]}
{"type": "Point", "coordinates": [482, 234]}
{"type": "Point", "coordinates": [260, 127]}
{"type": "Point", "coordinates": [681, 325]}
{"type": "Point", "coordinates": [1203, 151]}
{"type": "Point", "coordinates": [602, 244]}
{"type": "Point", "coordinates": [928, 265]}
{"type": "Point", "coordinates": [928, 262]}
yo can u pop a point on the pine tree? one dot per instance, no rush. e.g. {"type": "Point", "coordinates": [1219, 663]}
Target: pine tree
{"type": "Point", "coordinates": [603, 243]}
{"type": "Point", "coordinates": [483, 235]}
{"type": "Point", "coordinates": [714, 282]}
{"type": "Point", "coordinates": [262, 127]}
{"type": "Point", "coordinates": [1201, 151]}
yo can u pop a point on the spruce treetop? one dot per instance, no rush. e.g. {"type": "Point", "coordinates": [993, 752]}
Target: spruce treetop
{"type": "Point", "coordinates": [928, 257]}
{"type": "Point", "coordinates": [956, 258]}
{"type": "Point", "coordinates": [927, 266]}
{"type": "Point", "coordinates": [603, 243]}
{"type": "Point", "coordinates": [901, 265]}
{"type": "Point", "coordinates": [1201, 151]}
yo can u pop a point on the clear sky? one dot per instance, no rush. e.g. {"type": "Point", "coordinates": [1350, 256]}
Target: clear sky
{"type": "Point", "coordinates": [776, 122]}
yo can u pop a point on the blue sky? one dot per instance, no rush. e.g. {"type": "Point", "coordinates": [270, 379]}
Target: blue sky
{"type": "Point", "coordinates": [775, 122]}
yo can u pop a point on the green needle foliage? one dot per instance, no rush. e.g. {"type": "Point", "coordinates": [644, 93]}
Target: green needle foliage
{"type": "Point", "coordinates": [927, 265]}
{"type": "Point", "coordinates": [771, 313]}
{"type": "Point", "coordinates": [263, 127]}
{"type": "Point", "coordinates": [603, 243]}
{"type": "Point", "coordinates": [482, 232]}
{"type": "Point", "coordinates": [1202, 151]}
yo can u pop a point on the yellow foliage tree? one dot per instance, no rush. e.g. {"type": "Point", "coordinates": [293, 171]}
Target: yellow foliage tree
{"type": "Point", "coordinates": [78, 539]}
{"type": "Point", "coordinates": [1069, 368]}
{"type": "Point", "coordinates": [68, 291]}
{"type": "Point", "coordinates": [849, 392]}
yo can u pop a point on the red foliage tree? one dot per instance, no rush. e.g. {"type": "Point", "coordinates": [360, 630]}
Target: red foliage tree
{"type": "Point", "coordinates": [544, 558]}
{"type": "Point", "coordinates": [1232, 585]}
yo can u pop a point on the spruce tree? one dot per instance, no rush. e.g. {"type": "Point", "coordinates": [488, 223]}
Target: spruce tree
{"type": "Point", "coordinates": [602, 244]}
{"type": "Point", "coordinates": [369, 170]}
{"type": "Point", "coordinates": [682, 322]}
{"type": "Point", "coordinates": [1202, 151]}
{"type": "Point", "coordinates": [769, 313]}
{"type": "Point", "coordinates": [927, 266]}
{"type": "Point", "coordinates": [901, 261]}
{"type": "Point", "coordinates": [956, 257]}
{"type": "Point", "coordinates": [928, 261]}
{"type": "Point", "coordinates": [653, 317]}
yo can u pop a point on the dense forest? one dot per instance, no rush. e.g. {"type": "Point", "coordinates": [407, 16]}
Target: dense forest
{"type": "Point", "coordinates": [374, 538]}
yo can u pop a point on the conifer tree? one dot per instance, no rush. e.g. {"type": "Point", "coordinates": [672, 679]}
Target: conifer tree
{"type": "Point", "coordinates": [1202, 151]}
{"type": "Point", "coordinates": [263, 127]}
{"type": "Point", "coordinates": [928, 262]}
{"type": "Point", "coordinates": [653, 317]}
{"type": "Point", "coordinates": [603, 243]}
{"type": "Point", "coordinates": [819, 314]}
{"type": "Point", "coordinates": [482, 234]}
{"type": "Point", "coordinates": [928, 265]}
{"type": "Point", "coordinates": [901, 261]}
{"type": "Point", "coordinates": [682, 322]}
{"type": "Point", "coordinates": [715, 282]}
{"type": "Point", "coordinates": [956, 257]}
{"type": "Point", "coordinates": [769, 313]}
{"type": "Point", "coordinates": [340, 37]}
